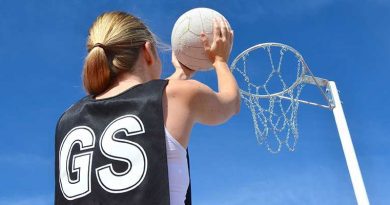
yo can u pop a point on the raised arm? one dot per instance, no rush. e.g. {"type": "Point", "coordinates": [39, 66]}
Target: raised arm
{"type": "Point", "coordinates": [209, 107]}
{"type": "Point", "coordinates": [200, 102]}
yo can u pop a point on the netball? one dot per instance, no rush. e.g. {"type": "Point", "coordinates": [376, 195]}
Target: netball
{"type": "Point", "coordinates": [185, 39]}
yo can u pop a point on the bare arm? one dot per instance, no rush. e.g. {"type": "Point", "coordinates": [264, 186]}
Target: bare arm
{"type": "Point", "coordinates": [211, 107]}
{"type": "Point", "coordinates": [201, 103]}
{"type": "Point", "coordinates": [189, 101]}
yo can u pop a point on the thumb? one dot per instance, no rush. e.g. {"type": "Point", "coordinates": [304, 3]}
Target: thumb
{"type": "Point", "coordinates": [205, 41]}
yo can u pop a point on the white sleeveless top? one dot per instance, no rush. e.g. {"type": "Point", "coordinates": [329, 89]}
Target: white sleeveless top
{"type": "Point", "coordinates": [177, 170]}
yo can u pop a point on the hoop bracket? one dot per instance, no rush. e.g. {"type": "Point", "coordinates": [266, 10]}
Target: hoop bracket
{"type": "Point", "coordinates": [320, 82]}
{"type": "Point", "coordinates": [314, 80]}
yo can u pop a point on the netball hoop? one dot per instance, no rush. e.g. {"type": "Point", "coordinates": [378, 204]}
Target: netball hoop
{"type": "Point", "coordinates": [272, 84]}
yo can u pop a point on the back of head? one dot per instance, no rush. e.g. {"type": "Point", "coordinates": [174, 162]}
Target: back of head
{"type": "Point", "coordinates": [113, 44]}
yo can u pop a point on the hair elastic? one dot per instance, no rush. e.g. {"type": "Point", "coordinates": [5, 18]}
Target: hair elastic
{"type": "Point", "coordinates": [99, 45]}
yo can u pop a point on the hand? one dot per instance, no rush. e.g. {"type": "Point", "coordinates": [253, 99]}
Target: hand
{"type": "Point", "coordinates": [219, 50]}
{"type": "Point", "coordinates": [182, 72]}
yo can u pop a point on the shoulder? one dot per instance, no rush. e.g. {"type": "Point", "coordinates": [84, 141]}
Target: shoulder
{"type": "Point", "coordinates": [185, 87]}
{"type": "Point", "coordinates": [191, 93]}
{"type": "Point", "coordinates": [71, 109]}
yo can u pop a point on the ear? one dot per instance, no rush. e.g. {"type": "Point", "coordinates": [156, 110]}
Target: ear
{"type": "Point", "coordinates": [148, 53]}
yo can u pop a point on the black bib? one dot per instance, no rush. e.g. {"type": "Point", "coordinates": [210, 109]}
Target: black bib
{"type": "Point", "coordinates": [112, 151]}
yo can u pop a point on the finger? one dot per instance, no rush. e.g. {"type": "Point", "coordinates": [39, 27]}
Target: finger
{"type": "Point", "coordinates": [223, 28]}
{"type": "Point", "coordinates": [205, 41]}
{"type": "Point", "coordinates": [216, 29]}
{"type": "Point", "coordinates": [227, 24]}
{"type": "Point", "coordinates": [228, 31]}
{"type": "Point", "coordinates": [232, 36]}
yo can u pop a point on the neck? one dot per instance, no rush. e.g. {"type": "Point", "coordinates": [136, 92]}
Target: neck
{"type": "Point", "coordinates": [137, 76]}
{"type": "Point", "coordinates": [125, 80]}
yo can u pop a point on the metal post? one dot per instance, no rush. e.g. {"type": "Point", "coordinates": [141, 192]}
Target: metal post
{"type": "Point", "coordinates": [349, 151]}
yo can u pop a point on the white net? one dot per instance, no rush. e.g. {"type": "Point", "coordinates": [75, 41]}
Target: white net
{"type": "Point", "coordinates": [272, 99]}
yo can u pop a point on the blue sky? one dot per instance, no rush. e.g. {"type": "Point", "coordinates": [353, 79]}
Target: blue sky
{"type": "Point", "coordinates": [42, 46]}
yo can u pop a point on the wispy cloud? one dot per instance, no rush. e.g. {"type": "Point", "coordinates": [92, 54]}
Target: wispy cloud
{"type": "Point", "coordinates": [33, 200]}
{"type": "Point", "coordinates": [295, 7]}
{"type": "Point", "coordinates": [28, 195]}
{"type": "Point", "coordinates": [23, 159]}
{"type": "Point", "coordinates": [253, 11]}
{"type": "Point", "coordinates": [292, 188]}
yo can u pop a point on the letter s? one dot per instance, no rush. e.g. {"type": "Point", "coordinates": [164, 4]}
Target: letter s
{"type": "Point", "coordinates": [122, 150]}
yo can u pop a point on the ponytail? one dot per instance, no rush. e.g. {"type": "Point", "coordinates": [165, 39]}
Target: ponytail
{"type": "Point", "coordinates": [96, 72]}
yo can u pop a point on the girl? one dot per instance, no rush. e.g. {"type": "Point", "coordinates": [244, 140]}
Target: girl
{"type": "Point", "coordinates": [125, 142]}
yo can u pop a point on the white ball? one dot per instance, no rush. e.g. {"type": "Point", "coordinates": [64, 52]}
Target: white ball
{"type": "Point", "coordinates": [185, 39]}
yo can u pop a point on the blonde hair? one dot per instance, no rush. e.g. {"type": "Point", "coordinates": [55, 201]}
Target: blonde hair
{"type": "Point", "coordinates": [113, 44]}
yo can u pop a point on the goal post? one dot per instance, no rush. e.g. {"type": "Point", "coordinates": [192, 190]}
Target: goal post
{"type": "Point", "coordinates": [347, 145]}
